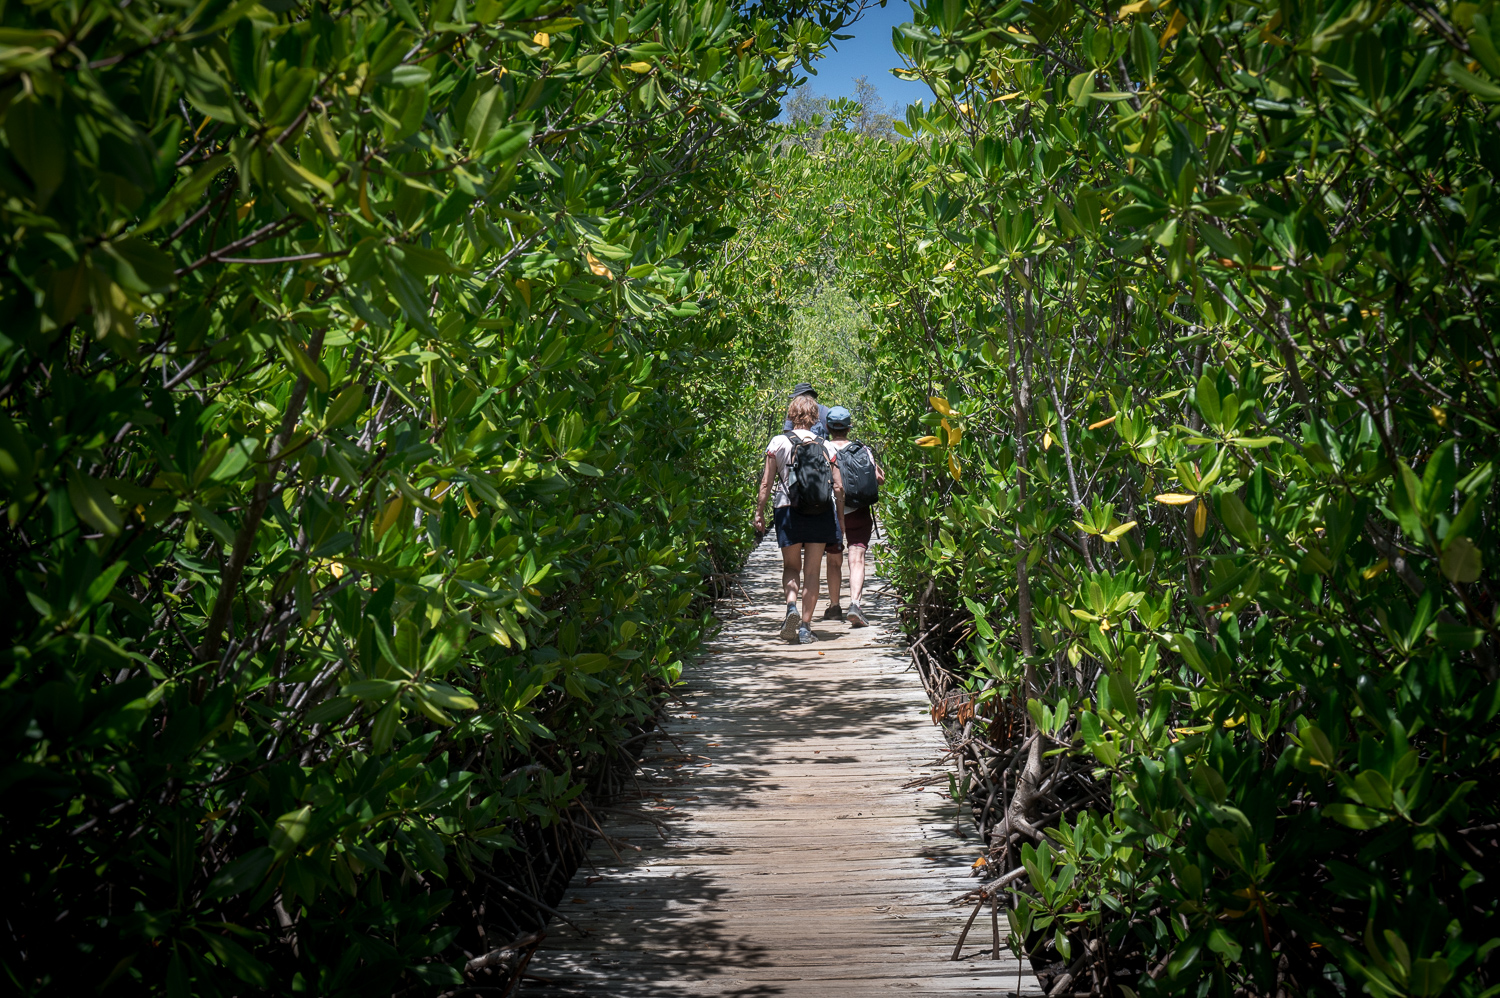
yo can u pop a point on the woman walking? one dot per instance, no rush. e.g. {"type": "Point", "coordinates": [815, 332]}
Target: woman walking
{"type": "Point", "coordinates": [809, 511]}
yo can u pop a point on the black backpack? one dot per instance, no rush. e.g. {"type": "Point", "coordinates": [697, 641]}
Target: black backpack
{"type": "Point", "coordinates": [810, 476]}
{"type": "Point", "coordinates": [857, 465]}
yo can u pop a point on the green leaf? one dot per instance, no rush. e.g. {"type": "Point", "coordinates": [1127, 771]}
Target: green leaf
{"type": "Point", "coordinates": [384, 727]}
{"type": "Point", "coordinates": [297, 174]}
{"type": "Point", "coordinates": [238, 959]}
{"type": "Point", "coordinates": [140, 266]}
{"type": "Point", "coordinates": [1355, 816]}
{"type": "Point", "coordinates": [1238, 519]}
{"type": "Point", "coordinates": [1224, 944]}
{"type": "Point", "coordinates": [404, 8]}
{"type": "Point", "coordinates": [17, 463]}
{"type": "Point", "coordinates": [289, 831]}
{"type": "Point", "coordinates": [303, 362]}
{"type": "Point", "coordinates": [93, 503]}
{"type": "Point", "coordinates": [222, 532]}
{"type": "Point", "coordinates": [1206, 396]}
{"type": "Point", "coordinates": [349, 403]}
{"type": "Point", "coordinates": [35, 135]}
{"type": "Point", "coordinates": [1461, 560]}
{"type": "Point", "coordinates": [374, 690]}
{"type": "Point", "coordinates": [507, 144]}
{"type": "Point", "coordinates": [1457, 637]}
{"type": "Point", "coordinates": [1484, 89]}
{"type": "Point", "coordinates": [183, 195]}
{"type": "Point", "coordinates": [242, 874]}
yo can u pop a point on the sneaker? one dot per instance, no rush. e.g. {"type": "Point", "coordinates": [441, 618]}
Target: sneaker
{"type": "Point", "coordinates": [790, 625]}
{"type": "Point", "coordinates": [805, 636]}
{"type": "Point", "coordinates": [834, 612]}
{"type": "Point", "coordinates": [857, 616]}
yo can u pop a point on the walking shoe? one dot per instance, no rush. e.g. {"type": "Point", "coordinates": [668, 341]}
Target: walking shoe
{"type": "Point", "coordinates": [805, 636]}
{"type": "Point", "coordinates": [790, 625]}
{"type": "Point", "coordinates": [834, 612]}
{"type": "Point", "coordinates": [857, 616]}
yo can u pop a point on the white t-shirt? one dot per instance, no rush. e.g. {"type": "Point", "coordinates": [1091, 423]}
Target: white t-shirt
{"type": "Point", "coordinates": [780, 447]}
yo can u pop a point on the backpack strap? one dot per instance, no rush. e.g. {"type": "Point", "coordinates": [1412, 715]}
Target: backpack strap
{"type": "Point", "coordinates": [791, 462]}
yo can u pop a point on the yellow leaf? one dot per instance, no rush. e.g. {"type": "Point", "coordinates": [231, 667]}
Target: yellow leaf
{"type": "Point", "coordinates": [597, 267]}
{"type": "Point", "coordinates": [927, 441]}
{"type": "Point", "coordinates": [1200, 519]}
{"type": "Point", "coordinates": [244, 209]}
{"type": "Point", "coordinates": [1047, 440]}
{"type": "Point", "coordinates": [1174, 498]}
{"type": "Point", "coordinates": [1007, 97]}
{"type": "Point", "coordinates": [953, 466]}
{"type": "Point", "coordinates": [979, 863]}
{"type": "Point", "coordinates": [638, 67]}
{"type": "Point", "coordinates": [1375, 569]}
{"type": "Point", "coordinates": [1120, 531]}
{"type": "Point", "coordinates": [1139, 7]}
{"type": "Point", "coordinates": [1269, 27]}
{"type": "Point", "coordinates": [1177, 23]}
{"type": "Point", "coordinates": [1102, 422]}
{"type": "Point", "coordinates": [388, 516]}
{"type": "Point", "coordinates": [469, 502]}
{"type": "Point", "coordinates": [337, 568]}
{"type": "Point", "coordinates": [941, 405]}
{"type": "Point", "coordinates": [542, 39]}
{"type": "Point", "coordinates": [524, 286]}
{"type": "Point", "coordinates": [1439, 415]}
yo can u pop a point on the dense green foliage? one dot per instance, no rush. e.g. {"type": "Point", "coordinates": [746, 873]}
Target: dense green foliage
{"type": "Point", "coordinates": [370, 420]}
{"type": "Point", "coordinates": [1204, 295]}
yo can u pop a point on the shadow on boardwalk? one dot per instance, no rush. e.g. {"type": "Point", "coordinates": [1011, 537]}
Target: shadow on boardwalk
{"type": "Point", "coordinates": [774, 845]}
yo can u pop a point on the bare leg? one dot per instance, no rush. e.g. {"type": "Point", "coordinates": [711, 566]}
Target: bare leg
{"type": "Point", "coordinates": [835, 576]}
{"type": "Point", "coordinates": [810, 580]}
{"type": "Point", "coordinates": [856, 572]}
{"type": "Point", "coordinates": [791, 570]}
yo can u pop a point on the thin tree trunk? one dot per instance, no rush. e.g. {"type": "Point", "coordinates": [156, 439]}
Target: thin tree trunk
{"type": "Point", "coordinates": [1027, 781]}
{"type": "Point", "coordinates": [244, 541]}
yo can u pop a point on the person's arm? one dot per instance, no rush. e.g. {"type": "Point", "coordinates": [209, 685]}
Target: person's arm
{"type": "Point", "coordinates": [879, 471]}
{"type": "Point", "coordinates": [766, 478]}
{"type": "Point", "coordinates": [838, 496]}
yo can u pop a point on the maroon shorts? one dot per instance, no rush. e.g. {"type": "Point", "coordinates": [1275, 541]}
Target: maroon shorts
{"type": "Point", "coordinates": [857, 528]}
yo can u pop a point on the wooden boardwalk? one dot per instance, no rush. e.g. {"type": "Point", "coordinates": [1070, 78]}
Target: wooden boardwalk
{"type": "Point", "coordinates": [796, 858]}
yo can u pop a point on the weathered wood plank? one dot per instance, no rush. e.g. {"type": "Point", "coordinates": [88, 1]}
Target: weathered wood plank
{"type": "Point", "coordinates": [794, 859]}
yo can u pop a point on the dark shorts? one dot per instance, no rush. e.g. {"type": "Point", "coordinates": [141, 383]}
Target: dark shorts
{"type": "Point", "coordinates": [793, 527]}
{"type": "Point", "coordinates": [857, 528]}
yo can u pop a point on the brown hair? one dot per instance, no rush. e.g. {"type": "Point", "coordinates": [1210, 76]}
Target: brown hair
{"type": "Point", "coordinates": [803, 412]}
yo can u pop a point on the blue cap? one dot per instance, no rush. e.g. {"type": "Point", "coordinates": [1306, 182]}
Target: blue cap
{"type": "Point", "coordinates": [840, 418]}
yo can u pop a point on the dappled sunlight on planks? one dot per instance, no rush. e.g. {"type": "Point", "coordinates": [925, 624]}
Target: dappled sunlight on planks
{"type": "Point", "coordinates": [774, 845]}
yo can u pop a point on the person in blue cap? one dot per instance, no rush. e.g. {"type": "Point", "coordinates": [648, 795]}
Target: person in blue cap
{"type": "Point", "coordinates": [862, 477]}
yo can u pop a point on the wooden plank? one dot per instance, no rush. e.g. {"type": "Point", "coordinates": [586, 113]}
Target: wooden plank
{"type": "Point", "coordinates": [793, 859]}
